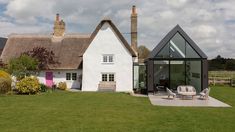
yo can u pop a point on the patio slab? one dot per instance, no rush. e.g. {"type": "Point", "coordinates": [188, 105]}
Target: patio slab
{"type": "Point", "coordinates": [163, 100]}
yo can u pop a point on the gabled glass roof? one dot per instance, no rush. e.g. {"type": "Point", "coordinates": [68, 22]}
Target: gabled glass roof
{"type": "Point", "coordinates": [177, 44]}
{"type": "Point", "coordinates": [177, 47]}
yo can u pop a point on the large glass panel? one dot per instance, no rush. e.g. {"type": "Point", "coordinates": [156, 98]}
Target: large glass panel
{"type": "Point", "coordinates": [177, 46]}
{"type": "Point", "coordinates": [136, 77]}
{"type": "Point", "coordinates": [190, 52]}
{"type": "Point", "coordinates": [164, 53]}
{"type": "Point", "coordinates": [161, 73]}
{"type": "Point", "coordinates": [177, 74]}
{"type": "Point", "coordinates": [142, 76]}
{"type": "Point", "coordinates": [193, 74]}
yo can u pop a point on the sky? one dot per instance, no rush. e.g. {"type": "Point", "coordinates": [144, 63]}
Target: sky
{"type": "Point", "coordinates": [210, 23]}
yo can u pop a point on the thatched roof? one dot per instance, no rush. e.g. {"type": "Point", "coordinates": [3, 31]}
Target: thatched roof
{"type": "Point", "coordinates": [68, 49]}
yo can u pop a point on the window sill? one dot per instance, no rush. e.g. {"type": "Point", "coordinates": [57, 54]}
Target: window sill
{"type": "Point", "coordinates": [107, 63]}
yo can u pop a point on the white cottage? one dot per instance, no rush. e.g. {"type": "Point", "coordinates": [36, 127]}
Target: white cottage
{"type": "Point", "coordinates": [108, 60]}
{"type": "Point", "coordinates": [102, 61]}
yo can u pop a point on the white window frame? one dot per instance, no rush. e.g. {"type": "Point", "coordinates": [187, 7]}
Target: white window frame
{"type": "Point", "coordinates": [71, 76]}
{"type": "Point", "coordinates": [108, 74]}
{"type": "Point", "coordinates": [108, 57]}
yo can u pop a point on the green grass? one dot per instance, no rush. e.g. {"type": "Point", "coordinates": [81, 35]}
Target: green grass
{"type": "Point", "coordinates": [72, 112]}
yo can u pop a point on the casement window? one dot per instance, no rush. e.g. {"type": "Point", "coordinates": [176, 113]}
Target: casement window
{"type": "Point", "coordinates": [74, 76]}
{"type": "Point", "coordinates": [108, 58]}
{"type": "Point", "coordinates": [104, 77]}
{"type": "Point", "coordinates": [108, 77]}
{"type": "Point", "coordinates": [68, 76]}
{"type": "Point", "coordinates": [71, 76]}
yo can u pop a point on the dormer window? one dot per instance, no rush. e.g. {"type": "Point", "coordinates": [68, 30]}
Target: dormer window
{"type": "Point", "coordinates": [108, 58]}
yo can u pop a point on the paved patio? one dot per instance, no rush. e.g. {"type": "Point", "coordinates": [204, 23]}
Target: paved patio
{"type": "Point", "coordinates": [163, 100]}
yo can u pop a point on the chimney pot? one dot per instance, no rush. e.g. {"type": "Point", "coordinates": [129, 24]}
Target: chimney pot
{"type": "Point", "coordinates": [134, 9]}
{"type": "Point", "coordinates": [57, 17]}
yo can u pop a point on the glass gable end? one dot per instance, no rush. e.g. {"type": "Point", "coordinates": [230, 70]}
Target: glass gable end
{"type": "Point", "coordinates": [177, 47]}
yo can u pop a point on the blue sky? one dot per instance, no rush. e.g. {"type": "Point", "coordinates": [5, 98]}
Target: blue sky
{"type": "Point", "coordinates": [210, 23]}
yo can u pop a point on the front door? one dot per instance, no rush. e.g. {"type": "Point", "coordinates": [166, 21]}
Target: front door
{"type": "Point", "coordinates": [49, 79]}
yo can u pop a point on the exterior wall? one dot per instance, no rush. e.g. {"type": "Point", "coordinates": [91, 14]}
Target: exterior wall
{"type": "Point", "coordinates": [205, 74]}
{"type": "Point", "coordinates": [60, 76]}
{"type": "Point", "coordinates": [107, 42]}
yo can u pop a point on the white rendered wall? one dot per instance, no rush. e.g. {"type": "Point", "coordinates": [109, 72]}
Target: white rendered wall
{"type": "Point", "coordinates": [60, 76]}
{"type": "Point", "coordinates": [106, 42]}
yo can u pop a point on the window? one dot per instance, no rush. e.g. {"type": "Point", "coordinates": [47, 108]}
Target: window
{"type": "Point", "coordinates": [74, 76]}
{"type": "Point", "coordinates": [177, 47]}
{"type": "Point", "coordinates": [68, 76]}
{"type": "Point", "coordinates": [108, 77]}
{"type": "Point", "coordinates": [104, 77]}
{"type": "Point", "coordinates": [71, 76]}
{"type": "Point", "coordinates": [111, 77]}
{"type": "Point", "coordinates": [107, 58]}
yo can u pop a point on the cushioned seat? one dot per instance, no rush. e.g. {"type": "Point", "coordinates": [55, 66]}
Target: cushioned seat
{"type": "Point", "coordinates": [186, 91]}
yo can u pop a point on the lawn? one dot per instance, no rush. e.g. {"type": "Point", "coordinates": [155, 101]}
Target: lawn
{"type": "Point", "coordinates": [72, 112]}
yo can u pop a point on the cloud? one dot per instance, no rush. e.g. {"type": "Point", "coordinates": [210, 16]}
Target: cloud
{"type": "Point", "coordinates": [210, 23]}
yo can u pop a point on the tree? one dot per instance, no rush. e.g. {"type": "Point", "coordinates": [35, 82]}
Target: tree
{"type": "Point", "coordinates": [22, 66]}
{"type": "Point", "coordinates": [143, 52]}
{"type": "Point", "coordinates": [44, 57]}
{"type": "Point", "coordinates": [230, 65]}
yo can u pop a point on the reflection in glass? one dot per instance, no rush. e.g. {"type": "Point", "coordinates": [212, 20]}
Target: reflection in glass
{"type": "Point", "coordinates": [161, 73]}
{"type": "Point", "coordinates": [177, 73]}
{"type": "Point", "coordinates": [177, 46]}
{"type": "Point", "coordinates": [190, 52]}
{"type": "Point", "coordinates": [193, 74]}
{"type": "Point", "coordinates": [164, 53]}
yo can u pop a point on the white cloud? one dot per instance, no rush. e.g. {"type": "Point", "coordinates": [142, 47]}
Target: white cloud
{"type": "Point", "coordinates": [210, 23]}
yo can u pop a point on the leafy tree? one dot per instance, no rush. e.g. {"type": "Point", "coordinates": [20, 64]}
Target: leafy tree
{"type": "Point", "coordinates": [44, 57]}
{"type": "Point", "coordinates": [230, 65]}
{"type": "Point", "coordinates": [22, 66]}
{"type": "Point", "coordinates": [220, 63]}
{"type": "Point", "coordinates": [143, 52]}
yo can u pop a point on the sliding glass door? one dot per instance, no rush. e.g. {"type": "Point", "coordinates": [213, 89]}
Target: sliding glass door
{"type": "Point", "coordinates": [161, 73]}
{"type": "Point", "coordinates": [193, 74]}
{"type": "Point", "coordinates": [172, 73]}
{"type": "Point", "coordinates": [177, 74]}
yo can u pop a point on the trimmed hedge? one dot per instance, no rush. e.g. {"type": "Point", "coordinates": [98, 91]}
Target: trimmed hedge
{"type": "Point", "coordinates": [5, 82]}
{"type": "Point", "coordinates": [62, 86]}
{"type": "Point", "coordinates": [28, 85]}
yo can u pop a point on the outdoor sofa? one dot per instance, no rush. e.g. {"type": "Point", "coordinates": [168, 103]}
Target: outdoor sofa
{"type": "Point", "coordinates": [184, 91]}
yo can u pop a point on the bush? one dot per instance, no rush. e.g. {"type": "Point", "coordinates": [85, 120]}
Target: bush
{"type": "Point", "coordinates": [62, 86]}
{"type": "Point", "coordinates": [5, 82]}
{"type": "Point", "coordinates": [43, 87]}
{"type": "Point", "coordinates": [28, 85]}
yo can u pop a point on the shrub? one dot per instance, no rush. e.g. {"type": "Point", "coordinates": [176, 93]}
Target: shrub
{"type": "Point", "coordinates": [62, 86]}
{"type": "Point", "coordinates": [28, 85]}
{"type": "Point", "coordinates": [5, 82]}
{"type": "Point", "coordinates": [43, 87]}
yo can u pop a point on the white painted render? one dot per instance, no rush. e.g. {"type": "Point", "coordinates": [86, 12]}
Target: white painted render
{"type": "Point", "coordinates": [107, 42]}
{"type": "Point", "coordinates": [60, 76]}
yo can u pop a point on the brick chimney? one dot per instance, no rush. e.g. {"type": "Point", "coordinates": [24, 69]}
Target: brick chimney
{"type": "Point", "coordinates": [134, 29]}
{"type": "Point", "coordinates": [59, 27]}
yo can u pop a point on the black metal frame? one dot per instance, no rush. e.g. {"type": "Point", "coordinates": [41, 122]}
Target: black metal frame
{"type": "Point", "coordinates": [152, 57]}
{"type": "Point", "coordinates": [185, 60]}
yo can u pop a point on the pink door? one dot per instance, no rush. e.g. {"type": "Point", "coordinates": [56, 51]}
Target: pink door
{"type": "Point", "coordinates": [49, 79]}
